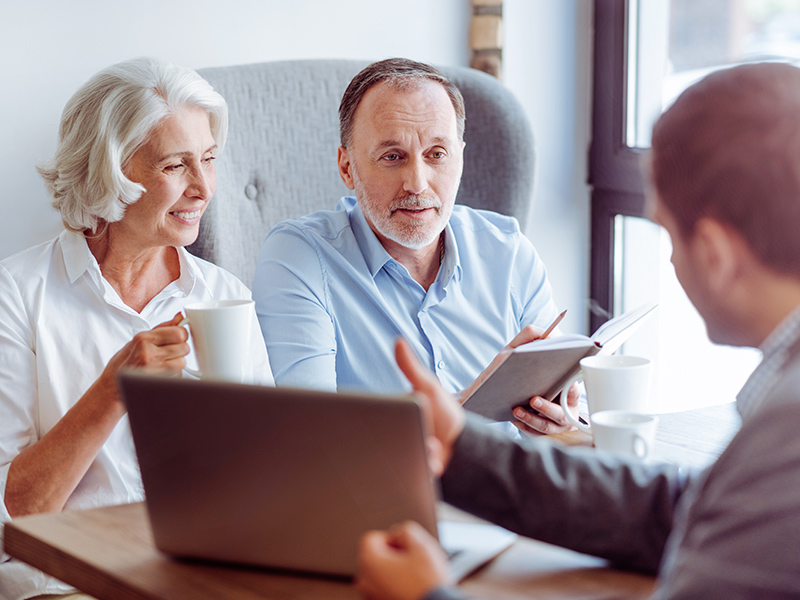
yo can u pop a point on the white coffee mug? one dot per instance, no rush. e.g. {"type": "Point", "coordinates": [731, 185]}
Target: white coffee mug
{"type": "Point", "coordinates": [221, 331]}
{"type": "Point", "coordinates": [624, 432]}
{"type": "Point", "coordinates": [615, 382]}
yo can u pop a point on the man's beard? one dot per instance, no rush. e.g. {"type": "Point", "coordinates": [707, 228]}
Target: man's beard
{"type": "Point", "coordinates": [409, 233]}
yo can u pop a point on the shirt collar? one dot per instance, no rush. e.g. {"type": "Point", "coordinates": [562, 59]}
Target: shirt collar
{"type": "Point", "coordinates": [376, 256]}
{"type": "Point", "coordinates": [78, 259]}
{"type": "Point", "coordinates": [77, 256]}
{"type": "Point", "coordinates": [783, 337]}
{"type": "Point", "coordinates": [451, 265]}
{"type": "Point", "coordinates": [779, 347]}
{"type": "Point", "coordinates": [191, 276]}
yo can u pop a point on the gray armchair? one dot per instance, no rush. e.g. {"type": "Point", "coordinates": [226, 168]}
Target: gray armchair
{"type": "Point", "coordinates": [280, 158]}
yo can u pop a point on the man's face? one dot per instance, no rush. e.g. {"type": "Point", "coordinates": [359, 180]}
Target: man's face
{"type": "Point", "coordinates": [689, 259]}
{"type": "Point", "coordinates": [404, 162]}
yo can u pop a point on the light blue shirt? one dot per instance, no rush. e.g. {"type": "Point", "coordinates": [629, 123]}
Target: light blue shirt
{"type": "Point", "coordinates": [331, 301]}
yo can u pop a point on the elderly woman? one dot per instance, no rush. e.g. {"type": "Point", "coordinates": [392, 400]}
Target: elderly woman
{"type": "Point", "coordinates": [132, 176]}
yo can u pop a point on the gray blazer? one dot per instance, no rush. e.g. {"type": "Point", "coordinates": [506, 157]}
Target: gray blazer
{"type": "Point", "coordinates": [731, 531]}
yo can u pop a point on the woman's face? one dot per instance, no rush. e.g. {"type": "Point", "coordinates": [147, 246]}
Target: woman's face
{"type": "Point", "coordinates": [176, 168]}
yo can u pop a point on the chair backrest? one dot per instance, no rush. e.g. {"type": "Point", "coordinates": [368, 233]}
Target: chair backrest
{"type": "Point", "coordinates": [280, 158]}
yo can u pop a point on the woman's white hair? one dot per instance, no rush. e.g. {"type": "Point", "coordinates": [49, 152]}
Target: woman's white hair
{"type": "Point", "coordinates": [103, 125]}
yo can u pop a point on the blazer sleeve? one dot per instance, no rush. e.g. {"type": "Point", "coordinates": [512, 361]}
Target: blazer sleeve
{"type": "Point", "coordinates": [578, 498]}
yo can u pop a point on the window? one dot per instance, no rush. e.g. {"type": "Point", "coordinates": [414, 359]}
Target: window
{"type": "Point", "coordinates": [646, 53]}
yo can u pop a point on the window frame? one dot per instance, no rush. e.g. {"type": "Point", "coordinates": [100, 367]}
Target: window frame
{"type": "Point", "coordinates": [615, 174]}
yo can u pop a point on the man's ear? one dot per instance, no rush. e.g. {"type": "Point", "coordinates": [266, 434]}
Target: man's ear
{"type": "Point", "coordinates": [719, 251]}
{"type": "Point", "coordinates": [345, 167]}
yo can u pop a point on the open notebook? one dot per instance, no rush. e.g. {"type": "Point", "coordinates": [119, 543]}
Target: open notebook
{"type": "Point", "coordinates": [543, 367]}
{"type": "Point", "coordinates": [285, 478]}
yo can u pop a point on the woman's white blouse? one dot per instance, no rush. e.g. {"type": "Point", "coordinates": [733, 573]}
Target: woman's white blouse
{"type": "Point", "coordinates": [60, 324]}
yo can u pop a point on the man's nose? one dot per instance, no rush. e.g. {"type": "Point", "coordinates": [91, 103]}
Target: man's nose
{"type": "Point", "coordinates": [415, 176]}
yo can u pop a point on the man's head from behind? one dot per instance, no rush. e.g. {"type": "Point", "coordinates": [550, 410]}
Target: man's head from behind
{"type": "Point", "coordinates": [402, 128]}
{"type": "Point", "coordinates": [726, 159]}
{"type": "Point", "coordinates": [729, 148]}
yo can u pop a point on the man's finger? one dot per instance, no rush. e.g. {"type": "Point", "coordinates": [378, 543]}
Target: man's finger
{"type": "Point", "coordinates": [531, 422]}
{"type": "Point", "coordinates": [443, 416]}
{"type": "Point", "coordinates": [435, 453]}
{"type": "Point", "coordinates": [549, 410]}
{"type": "Point", "coordinates": [418, 376]}
{"type": "Point", "coordinates": [574, 395]}
{"type": "Point", "coordinates": [529, 333]}
{"type": "Point", "coordinates": [414, 534]}
{"type": "Point", "coordinates": [372, 542]}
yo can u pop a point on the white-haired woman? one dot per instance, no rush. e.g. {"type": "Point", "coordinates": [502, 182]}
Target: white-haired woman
{"type": "Point", "coordinates": [132, 176]}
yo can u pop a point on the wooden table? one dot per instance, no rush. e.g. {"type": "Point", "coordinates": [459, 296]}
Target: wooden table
{"type": "Point", "coordinates": [109, 552]}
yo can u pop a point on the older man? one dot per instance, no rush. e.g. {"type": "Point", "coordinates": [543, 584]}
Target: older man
{"type": "Point", "coordinates": [726, 176]}
{"type": "Point", "coordinates": [334, 289]}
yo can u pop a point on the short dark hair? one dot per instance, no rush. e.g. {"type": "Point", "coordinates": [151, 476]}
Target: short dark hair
{"type": "Point", "coordinates": [399, 72]}
{"type": "Point", "coordinates": [729, 149]}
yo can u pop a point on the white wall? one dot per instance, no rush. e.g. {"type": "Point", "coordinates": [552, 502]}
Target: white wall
{"type": "Point", "coordinates": [49, 48]}
{"type": "Point", "coordinates": [547, 59]}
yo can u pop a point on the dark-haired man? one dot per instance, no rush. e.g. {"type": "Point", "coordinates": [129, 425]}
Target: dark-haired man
{"type": "Point", "coordinates": [725, 169]}
{"type": "Point", "coordinates": [334, 289]}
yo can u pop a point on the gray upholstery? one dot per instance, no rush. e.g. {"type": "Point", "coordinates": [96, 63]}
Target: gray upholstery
{"type": "Point", "coordinates": [280, 158]}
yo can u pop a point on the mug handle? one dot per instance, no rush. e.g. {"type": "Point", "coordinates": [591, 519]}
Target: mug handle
{"type": "Point", "coordinates": [198, 374]}
{"type": "Point", "coordinates": [582, 426]}
{"type": "Point", "coordinates": [640, 446]}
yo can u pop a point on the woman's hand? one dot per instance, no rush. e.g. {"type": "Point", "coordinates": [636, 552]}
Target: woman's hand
{"type": "Point", "coordinates": [42, 477]}
{"type": "Point", "coordinates": [160, 350]}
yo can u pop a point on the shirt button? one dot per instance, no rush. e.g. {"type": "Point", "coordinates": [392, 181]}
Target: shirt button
{"type": "Point", "coordinates": [440, 364]}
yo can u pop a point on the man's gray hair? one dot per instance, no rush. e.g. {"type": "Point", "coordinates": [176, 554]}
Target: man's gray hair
{"type": "Point", "coordinates": [103, 125]}
{"type": "Point", "coordinates": [403, 74]}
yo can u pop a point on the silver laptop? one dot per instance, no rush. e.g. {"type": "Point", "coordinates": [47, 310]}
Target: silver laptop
{"type": "Point", "coordinates": [285, 478]}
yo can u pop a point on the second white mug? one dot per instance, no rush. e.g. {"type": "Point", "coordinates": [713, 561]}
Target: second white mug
{"type": "Point", "coordinates": [624, 432]}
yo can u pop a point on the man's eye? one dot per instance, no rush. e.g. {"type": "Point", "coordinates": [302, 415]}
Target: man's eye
{"type": "Point", "coordinates": [209, 159]}
{"type": "Point", "coordinates": [438, 154]}
{"type": "Point", "coordinates": [172, 168]}
{"type": "Point", "coordinates": [391, 157]}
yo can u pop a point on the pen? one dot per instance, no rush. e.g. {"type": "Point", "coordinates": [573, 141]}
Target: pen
{"type": "Point", "coordinates": [549, 330]}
